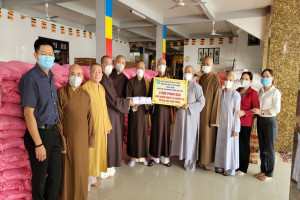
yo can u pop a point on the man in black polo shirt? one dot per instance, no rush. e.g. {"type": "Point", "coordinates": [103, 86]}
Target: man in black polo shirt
{"type": "Point", "coordinates": [42, 139]}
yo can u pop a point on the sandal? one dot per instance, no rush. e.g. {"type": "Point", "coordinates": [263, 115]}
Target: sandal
{"type": "Point", "coordinates": [97, 185]}
{"type": "Point", "coordinates": [168, 165]}
{"type": "Point", "coordinates": [151, 163]}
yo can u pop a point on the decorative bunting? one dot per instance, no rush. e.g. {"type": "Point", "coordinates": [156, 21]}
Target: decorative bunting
{"type": "Point", "coordinates": [91, 35]}
{"type": "Point", "coordinates": [70, 31]}
{"type": "Point", "coordinates": [220, 40]}
{"type": "Point", "coordinates": [137, 45]}
{"type": "Point", "coordinates": [78, 33]}
{"type": "Point", "coordinates": [121, 41]}
{"type": "Point", "coordinates": [84, 34]}
{"type": "Point", "coordinates": [144, 45]}
{"type": "Point", "coordinates": [44, 25]}
{"type": "Point", "coordinates": [202, 41]}
{"type": "Point", "coordinates": [125, 42]}
{"type": "Point", "coordinates": [22, 16]}
{"type": "Point", "coordinates": [130, 45]}
{"type": "Point", "coordinates": [230, 40]}
{"type": "Point", "coordinates": [53, 28]}
{"type": "Point", "coordinates": [211, 41]}
{"type": "Point", "coordinates": [0, 13]}
{"type": "Point", "coordinates": [62, 30]}
{"type": "Point", "coordinates": [149, 44]}
{"type": "Point", "coordinates": [193, 41]}
{"type": "Point", "coordinates": [10, 15]}
{"type": "Point", "coordinates": [186, 42]}
{"type": "Point", "coordinates": [179, 43]}
{"type": "Point", "coordinates": [33, 22]}
{"type": "Point", "coordinates": [171, 44]}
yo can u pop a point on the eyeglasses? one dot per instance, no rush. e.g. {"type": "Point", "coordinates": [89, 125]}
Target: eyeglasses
{"type": "Point", "coordinates": [96, 71]}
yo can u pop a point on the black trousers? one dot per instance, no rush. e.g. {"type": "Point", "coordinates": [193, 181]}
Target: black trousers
{"type": "Point", "coordinates": [267, 129]}
{"type": "Point", "coordinates": [244, 146]}
{"type": "Point", "coordinates": [46, 175]}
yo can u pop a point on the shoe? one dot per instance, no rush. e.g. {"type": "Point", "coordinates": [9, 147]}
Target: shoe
{"type": "Point", "coordinates": [145, 163]}
{"type": "Point", "coordinates": [131, 163]}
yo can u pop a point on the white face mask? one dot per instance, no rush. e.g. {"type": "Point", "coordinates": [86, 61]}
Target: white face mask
{"type": "Point", "coordinates": [228, 84]}
{"type": "Point", "coordinates": [108, 69]}
{"type": "Point", "coordinates": [120, 67]}
{"type": "Point", "coordinates": [206, 69]}
{"type": "Point", "coordinates": [140, 73]}
{"type": "Point", "coordinates": [75, 81]}
{"type": "Point", "coordinates": [162, 68]}
{"type": "Point", "coordinates": [245, 83]}
{"type": "Point", "coordinates": [187, 76]}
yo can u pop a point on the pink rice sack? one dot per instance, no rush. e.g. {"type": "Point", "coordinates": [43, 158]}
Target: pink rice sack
{"type": "Point", "coordinates": [13, 152]}
{"type": "Point", "coordinates": [11, 133]}
{"type": "Point", "coordinates": [11, 97]}
{"type": "Point", "coordinates": [15, 174]}
{"type": "Point", "coordinates": [11, 123]}
{"type": "Point", "coordinates": [10, 143]}
{"type": "Point", "coordinates": [11, 109]}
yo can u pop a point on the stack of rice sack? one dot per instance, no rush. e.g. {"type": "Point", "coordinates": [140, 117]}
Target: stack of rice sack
{"type": "Point", "coordinates": [15, 173]}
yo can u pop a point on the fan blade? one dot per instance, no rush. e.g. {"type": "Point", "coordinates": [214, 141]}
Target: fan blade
{"type": "Point", "coordinates": [54, 17]}
{"type": "Point", "coordinates": [175, 1]}
{"type": "Point", "coordinates": [174, 7]}
{"type": "Point", "coordinates": [192, 4]}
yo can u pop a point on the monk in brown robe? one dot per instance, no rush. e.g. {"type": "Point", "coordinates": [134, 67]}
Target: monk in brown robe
{"type": "Point", "coordinates": [160, 125]}
{"type": "Point", "coordinates": [77, 132]}
{"type": "Point", "coordinates": [209, 117]}
{"type": "Point", "coordinates": [138, 118]}
{"type": "Point", "coordinates": [120, 83]}
{"type": "Point", "coordinates": [115, 106]}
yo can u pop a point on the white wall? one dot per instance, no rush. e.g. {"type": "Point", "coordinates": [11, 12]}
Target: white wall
{"type": "Point", "coordinates": [119, 48]}
{"type": "Point", "coordinates": [17, 38]}
{"type": "Point", "coordinates": [249, 57]}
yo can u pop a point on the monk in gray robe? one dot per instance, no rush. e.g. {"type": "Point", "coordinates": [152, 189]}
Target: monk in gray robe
{"type": "Point", "coordinates": [209, 119]}
{"type": "Point", "coordinates": [138, 118]}
{"type": "Point", "coordinates": [227, 147]}
{"type": "Point", "coordinates": [185, 143]}
{"type": "Point", "coordinates": [77, 131]}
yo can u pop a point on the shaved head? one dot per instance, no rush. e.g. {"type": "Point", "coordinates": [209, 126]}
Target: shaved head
{"type": "Point", "coordinates": [140, 65]}
{"type": "Point", "coordinates": [161, 61]}
{"type": "Point", "coordinates": [208, 61]}
{"type": "Point", "coordinates": [189, 69]}
{"type": "Point", "coordinates": [229, 77]}
{"type": "Point", "coordinates": [75, 67]}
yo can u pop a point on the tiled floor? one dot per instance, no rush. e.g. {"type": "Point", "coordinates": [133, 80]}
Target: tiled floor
{"type": "Point", "coordinates": [174, 183]}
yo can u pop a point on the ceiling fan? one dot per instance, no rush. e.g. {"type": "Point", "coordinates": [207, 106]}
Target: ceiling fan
{"type": "Point", "coordinates": [181, 3]}
{"type": "Point", "coordinates": [47, 15]}
{"type": "Point", "coordinates": [213, 31]}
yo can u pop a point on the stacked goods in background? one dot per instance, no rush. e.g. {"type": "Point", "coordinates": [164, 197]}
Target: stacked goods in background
{"type": "Point", "coordinates": [15, 172]}
{"type": "Point", "coordinates": [84, 61]}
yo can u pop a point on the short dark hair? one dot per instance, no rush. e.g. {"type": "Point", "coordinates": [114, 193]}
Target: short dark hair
{"type": "Point", "coordinates": [249, 74]}
{"type": "Point", "coordinates": [93, 66]}
{"type": "Point", "coordinates": [42, 41]}
{"type": "Point", "coordinates": [103, 57]}
{"type": "Point", "coordinates": [269, 70]}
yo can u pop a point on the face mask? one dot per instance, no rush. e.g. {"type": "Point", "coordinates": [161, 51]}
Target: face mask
{"type": "Point", "coordinates": [228, 84]}
{"type": "Point", "coordinates": [162, 68]}
{"type": "Point", "coordinates": [187, 76]}
{"type": "Point", "coordinates": [46, 61]}
{"type": "Point", "coordinates": [206, 69]}
{"type": "Point", "coordinates": [266, 81]}
{"type": "Point", "coordinates": [245, 83]}
{"type": "Point", "coordinates": [108, 69]}
{"type": "Point", "coordinates": [140, 73]}
{"type": "Point", "coordinates": [120, 67]}
{"type": "Point", "coordinates": [75, 81]}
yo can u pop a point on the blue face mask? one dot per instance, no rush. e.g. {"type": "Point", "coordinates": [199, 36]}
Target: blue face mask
{"type": "Point", "coordinates": [46, 61]}
{"type": "Point", "coordinates": [266, 81]}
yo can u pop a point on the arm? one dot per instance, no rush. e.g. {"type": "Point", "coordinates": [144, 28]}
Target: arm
{"type": "Point", "coordinates": [34, 133]}
{"type": "Point", "coordinates": [91, 129]}
{"type": "Point", "coordinates": [60, 123]}
{"type": "Point", "coordinates": [196, 107]}
{"type": "Point", "coordinates": [276, 105]}
{"type": "Point", "coordinates": [236, 126]}
{"type": "Point", "coordinates": [215, 111]}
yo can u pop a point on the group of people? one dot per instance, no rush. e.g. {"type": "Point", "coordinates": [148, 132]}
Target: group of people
{"type": "Point", "coordinates": [75, 134]}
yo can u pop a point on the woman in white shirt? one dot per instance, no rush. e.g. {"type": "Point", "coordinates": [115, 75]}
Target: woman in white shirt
{"type": "Point", "coordinates": [270, 103]}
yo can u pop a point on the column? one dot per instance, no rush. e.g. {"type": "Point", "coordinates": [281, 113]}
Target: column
{"type": "Point", "coordinates": [284, 60]}
{"type": "Point", "coordinates": [160, 41]}
{"type": "Point", "coordinates": [103, 28]}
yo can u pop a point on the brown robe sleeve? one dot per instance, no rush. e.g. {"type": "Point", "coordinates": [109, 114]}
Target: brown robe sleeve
{"type": "Point", "coordinates": [60, 123]}
{"type": "Point", "coordinates": [91, 131]}
{"type": "Point", "coordinates": [215, 110]}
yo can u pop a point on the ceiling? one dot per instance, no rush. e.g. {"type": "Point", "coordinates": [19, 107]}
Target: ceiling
{"type": "Point", "coordinates": [182, 22]}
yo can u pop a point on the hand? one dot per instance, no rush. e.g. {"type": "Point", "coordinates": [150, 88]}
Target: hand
{"type": "Point", "coordinates": [234, 134]}
{"type": "Point", "coordinates": [178, 107]}
{"type": "Point", "coordinates": [64, 152]}
{"type": "Point", "coordinates": [135, 107]}
{"type": "Point", "coordinates": [108, 132]}
{"type": "Point", "coordinates": [131, 103]}
{"type": "Point", "coordinates": [211, 126]}
{"type": "Point", "coordinates": [40, 153]}
{"type": "Point", "coordinates": [151, 104]}
{"type": "Point", "coordinates": [185, 106]}
{"type": "Point", "coordinates": [240, 113]}
{"type": "Point", "coordinates": [256, 111]}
